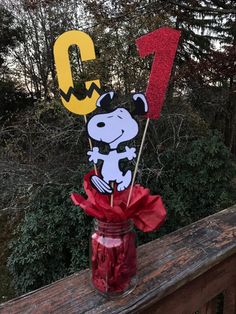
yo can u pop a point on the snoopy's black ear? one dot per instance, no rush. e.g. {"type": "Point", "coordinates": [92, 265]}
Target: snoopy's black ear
{"type": "Point", "coordinates": [141, 105]}
{"type": "Point", "coordinates": [104, 101]}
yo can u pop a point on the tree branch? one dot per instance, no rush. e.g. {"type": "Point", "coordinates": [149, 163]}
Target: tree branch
{"type": "Point", "coordinates": [203, 9]}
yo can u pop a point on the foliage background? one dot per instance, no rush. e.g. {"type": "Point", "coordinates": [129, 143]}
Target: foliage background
{"type": "Point", "coordinates": [189, 154]}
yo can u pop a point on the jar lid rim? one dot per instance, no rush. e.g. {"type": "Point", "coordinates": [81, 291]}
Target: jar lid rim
{"type": "Point", "coordinates": [116, 223]}
{"type": "Point", "coordinates": [122, 226]}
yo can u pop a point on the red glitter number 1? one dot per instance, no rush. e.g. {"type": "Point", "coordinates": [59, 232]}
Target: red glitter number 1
{"type": "Point", "coordinates": [163, 44]}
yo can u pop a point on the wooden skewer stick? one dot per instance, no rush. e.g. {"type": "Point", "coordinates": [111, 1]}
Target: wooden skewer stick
{"type": "Point", "coordinates": [138, 160]}
{"type": "Point", "coordinates": [91, 146]}
{"type": "Point", "coordinates": [112, 195]}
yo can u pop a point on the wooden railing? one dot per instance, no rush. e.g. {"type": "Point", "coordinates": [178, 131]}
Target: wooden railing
{"type": "Point", "coordinates": [182, 272]}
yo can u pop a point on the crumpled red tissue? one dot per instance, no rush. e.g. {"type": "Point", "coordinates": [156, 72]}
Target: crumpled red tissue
{"type": "Point", "coordinates": [145, 210]}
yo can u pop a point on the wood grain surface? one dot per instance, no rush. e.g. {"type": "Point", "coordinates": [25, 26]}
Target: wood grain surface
{"type": "Point", "coordinates": [201, 256]}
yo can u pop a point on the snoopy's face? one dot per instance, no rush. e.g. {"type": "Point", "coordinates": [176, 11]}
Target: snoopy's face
{"type": "Point", "coordinates": [113, 128]}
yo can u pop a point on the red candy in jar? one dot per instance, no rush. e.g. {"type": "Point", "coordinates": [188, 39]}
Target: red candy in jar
{"type": "Point", "coordinates": [113, 258]}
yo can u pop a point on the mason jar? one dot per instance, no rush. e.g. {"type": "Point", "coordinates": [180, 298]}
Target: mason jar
{"type": "Point", "coordinates": [113, 259]}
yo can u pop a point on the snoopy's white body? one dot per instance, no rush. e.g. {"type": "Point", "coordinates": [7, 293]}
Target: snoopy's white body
{"type": "Point", "coordinates": [113, 159]}
{"type": "Point", "coordinates": [113, 128]}
{"type": "Point", "coordinates": [110, 170]}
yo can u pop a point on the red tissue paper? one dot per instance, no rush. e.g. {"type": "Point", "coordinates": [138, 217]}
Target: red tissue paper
{"type": "Point", "coordinates": [145, 210]}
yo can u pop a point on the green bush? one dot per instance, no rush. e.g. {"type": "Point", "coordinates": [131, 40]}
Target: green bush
{"type": "Point", "coordinates": [196, 181]}
{"type": "Point", "coordinates": [53, 238]}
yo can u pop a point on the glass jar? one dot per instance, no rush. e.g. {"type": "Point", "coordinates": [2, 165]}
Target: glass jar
{"type": "Point", "coordinates": [113, 261]}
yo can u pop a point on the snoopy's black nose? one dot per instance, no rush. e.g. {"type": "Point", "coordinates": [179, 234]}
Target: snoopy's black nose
{"type": "Point", "coordinates": [100, 124]}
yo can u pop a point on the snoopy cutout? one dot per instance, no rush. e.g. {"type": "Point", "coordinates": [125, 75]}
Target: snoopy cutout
{"type": "Point", "coordinates": [113, 128]}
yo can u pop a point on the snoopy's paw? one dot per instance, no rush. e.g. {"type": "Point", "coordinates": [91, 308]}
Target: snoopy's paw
{"type": "Point", "coordinates": [130, 152]}
{"type": "Point", "coordinates": [94, 154]}
{"type": "Point", "coordinates": [125, 182]}
{"type": "Point", "coordinates": [121, 187]}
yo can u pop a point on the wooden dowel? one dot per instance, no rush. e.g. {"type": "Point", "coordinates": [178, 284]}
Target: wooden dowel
{"type": "Point", "coordinates": [138, 160]}
{"type": "Point", "coordinates": [90, 145]}
{"type": "Point", "coordinates": [112, 195]}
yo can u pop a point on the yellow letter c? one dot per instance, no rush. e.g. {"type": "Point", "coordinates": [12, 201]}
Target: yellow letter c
{"type": "Point", "coordinates": [65, 80]}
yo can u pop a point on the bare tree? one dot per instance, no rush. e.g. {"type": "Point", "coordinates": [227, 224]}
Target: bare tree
{"type": "Point", "coordinates": [41, 23]}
